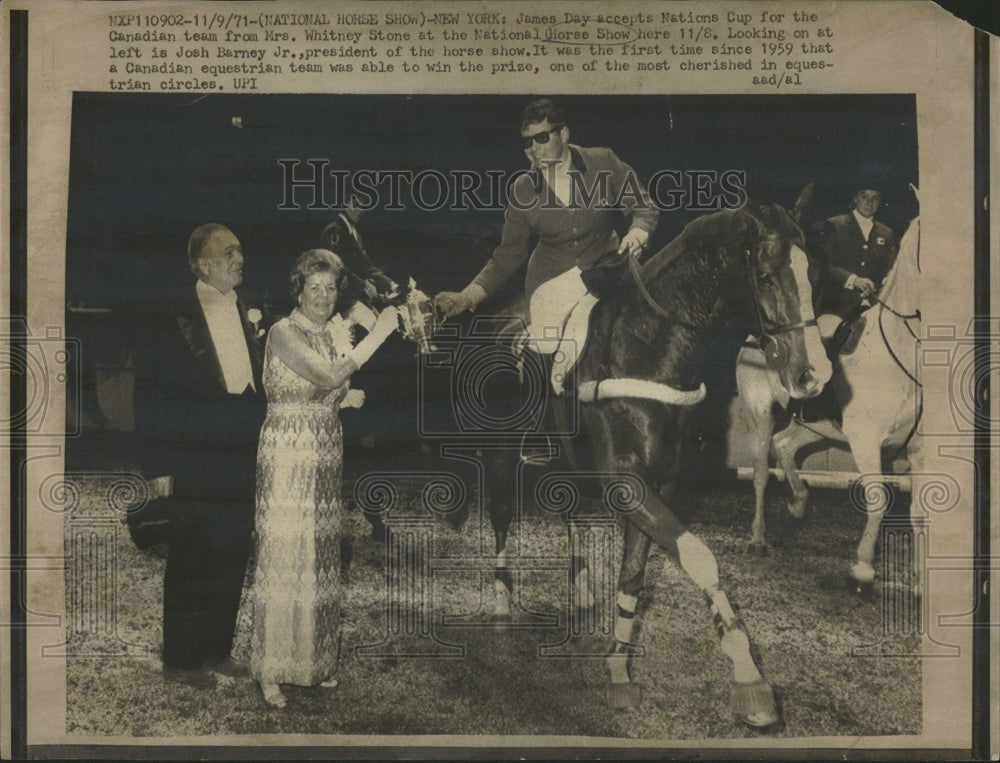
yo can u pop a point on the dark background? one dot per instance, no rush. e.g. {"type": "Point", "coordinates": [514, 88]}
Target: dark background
{"type": "Point", "coordinates": [984, 14]}
{"type": "Point", "coordinates": [145, 170]}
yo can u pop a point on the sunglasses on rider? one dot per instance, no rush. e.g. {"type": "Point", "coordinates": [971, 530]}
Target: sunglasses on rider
{"type": "Point", "coordinates": [539, 137]}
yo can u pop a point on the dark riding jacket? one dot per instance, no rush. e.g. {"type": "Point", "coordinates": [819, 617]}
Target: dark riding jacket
{"type": "Point", "coordinates": [843, 250]}
{"type": "Point", "coordinates": [579, 234]}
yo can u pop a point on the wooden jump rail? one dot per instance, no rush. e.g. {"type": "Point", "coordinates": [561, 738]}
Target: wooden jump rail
{"type": "Point", "coordinates": [830, 479]}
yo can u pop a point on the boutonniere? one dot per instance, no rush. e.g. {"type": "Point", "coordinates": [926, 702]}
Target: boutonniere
{"type": "Point", "coordinates": [255, 316]}
{"type": "Point", "coordinates": [880, 241]}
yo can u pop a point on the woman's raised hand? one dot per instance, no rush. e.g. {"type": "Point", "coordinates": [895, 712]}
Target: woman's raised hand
{"type": "Point", "coordinates": [386, 323]}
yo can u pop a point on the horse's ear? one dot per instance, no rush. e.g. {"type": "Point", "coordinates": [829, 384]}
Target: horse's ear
{"type": "Point", "coordinates": [804, 200]}
{"type": "Point", "coordinates": [752, 209]}
{"type": "Point", "coordinates": [754, 224]}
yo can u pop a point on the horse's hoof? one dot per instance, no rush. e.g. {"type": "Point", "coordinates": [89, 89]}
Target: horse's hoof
{"type": "Point", "coordinates": [864, 590]}
{"type": "Point", "coordinates": [796, 508]}
{"type": "Point", "coordinates": [624, 696]}
{"type": "Point", "coordinates": [757, 549]}
{"type": "Point", "coordinates": [754, 705]}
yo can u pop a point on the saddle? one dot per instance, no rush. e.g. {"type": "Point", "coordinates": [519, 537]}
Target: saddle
{"type": "Point", "coordinates": [605, 280]}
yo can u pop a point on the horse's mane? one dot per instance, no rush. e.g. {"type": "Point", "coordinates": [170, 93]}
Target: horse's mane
{"type": "Point", "coordinates": [725, 231]}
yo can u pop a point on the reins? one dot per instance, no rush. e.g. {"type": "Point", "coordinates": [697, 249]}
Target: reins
{"type": "Point", "coordinates": [633, 267]}
{"type": "Point", "coordinates": [885, 339]}
{"type": "Point", "coordinates": [883, 306]}
{"type": "Point", "coordinates": [914, 314]}
{"type": "Point", "coordinates": [760, 315]}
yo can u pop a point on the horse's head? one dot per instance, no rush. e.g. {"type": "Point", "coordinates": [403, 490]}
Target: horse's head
{"type": "Point", "coordinates": [779, 279]}
{"type": "Point", "coordinates": [419, 318]}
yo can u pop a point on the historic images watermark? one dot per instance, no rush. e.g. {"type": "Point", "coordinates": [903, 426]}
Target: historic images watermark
{"type": "Point", "coordinates": [48, 366]}
{"type": "Point", "coordinates": [312, 184]}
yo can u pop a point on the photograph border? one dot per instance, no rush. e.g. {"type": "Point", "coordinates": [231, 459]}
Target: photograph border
{"type": "Point", "coordinates": [983, 707]}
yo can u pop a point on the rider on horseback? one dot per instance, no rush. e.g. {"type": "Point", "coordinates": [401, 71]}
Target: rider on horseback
{"type": "Point", "coordinates": [856, 252]}
{"type": "Point", "coordinates": [366, 286]}
{"type": "Point", "coordinates": [567, 204]}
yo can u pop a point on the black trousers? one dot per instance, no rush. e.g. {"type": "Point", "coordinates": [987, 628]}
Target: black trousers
{"type": "Point", "coordinates": [209, 547]}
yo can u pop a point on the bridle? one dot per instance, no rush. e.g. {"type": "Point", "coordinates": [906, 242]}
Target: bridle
{"type": "Point", "coordinates": [775, 353]}
{"type": "Point", "coordinates": [906, 322]}
{"type": "Point", "coordinates": [915, 313]}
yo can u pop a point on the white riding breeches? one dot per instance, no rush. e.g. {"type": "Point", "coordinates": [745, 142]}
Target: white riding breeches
{"type": "Point", "coordinates": [550, 304]}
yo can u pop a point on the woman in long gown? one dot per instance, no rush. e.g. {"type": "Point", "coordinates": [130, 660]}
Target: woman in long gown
{"type": "Point", "coordinates": [296, 596]}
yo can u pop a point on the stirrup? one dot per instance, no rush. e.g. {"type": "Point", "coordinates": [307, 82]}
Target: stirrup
{"type": "Point", "coordinates": [536, 453]}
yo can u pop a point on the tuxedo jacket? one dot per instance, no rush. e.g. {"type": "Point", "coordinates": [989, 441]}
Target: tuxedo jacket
{"type": "Point", "coordinates": [339, 240]}
{"type": "Point", "coordinates": [842, 250]}
{"type": "Point", "coordinates": [189, 425]}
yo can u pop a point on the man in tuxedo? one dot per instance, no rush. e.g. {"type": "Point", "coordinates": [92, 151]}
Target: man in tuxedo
{"type": "Point", "coordinates": [200, 405]}
{"type": "Point", "coordinates": [856, 252]}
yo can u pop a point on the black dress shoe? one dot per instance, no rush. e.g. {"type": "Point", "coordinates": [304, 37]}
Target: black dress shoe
{"type": "Point", "coordinates": [196, 679]}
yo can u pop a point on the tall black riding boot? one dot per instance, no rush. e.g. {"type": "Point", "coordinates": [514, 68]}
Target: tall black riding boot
{"type": "Point", "coordinates": [537, 447]}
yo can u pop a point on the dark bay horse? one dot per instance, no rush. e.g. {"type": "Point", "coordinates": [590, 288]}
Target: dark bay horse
{"type": "Point", "coordinates": [640, 372]}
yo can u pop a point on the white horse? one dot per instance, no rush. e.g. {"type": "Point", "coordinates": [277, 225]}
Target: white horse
{"type": "Point", "coordinates": [879, 398]}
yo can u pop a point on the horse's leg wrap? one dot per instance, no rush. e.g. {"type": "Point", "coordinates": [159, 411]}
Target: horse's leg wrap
{"type": "Point", "coordinates": [698, 561]}
{"type": "Point", "coordinates": [732, 636]}
{"type": "Point", "coordinates": [752, 697]}
{"type": "Point", "coordinates": [536, 446]}
{"type": "Point", "coordinates": [579, 572]}
{"type": "Point", "coordinates": [621, 648]}
{"type": "Point", "coordinates": [622, 693]}
{"type": "Point", "coordinates": [503, 585]}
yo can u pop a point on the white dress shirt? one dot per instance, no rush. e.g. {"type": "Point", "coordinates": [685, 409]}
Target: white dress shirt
{"type": "Point", "coordinates": [226, 329]}
{"type": "Point", "coordinates": [866, 223]}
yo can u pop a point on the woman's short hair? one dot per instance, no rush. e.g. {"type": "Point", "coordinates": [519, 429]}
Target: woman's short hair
{"type": "Point", "coordinates": [314, 261]}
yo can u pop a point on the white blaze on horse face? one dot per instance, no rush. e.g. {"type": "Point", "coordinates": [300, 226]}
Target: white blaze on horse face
{"type": "Point", "coordinates": [815, 352]}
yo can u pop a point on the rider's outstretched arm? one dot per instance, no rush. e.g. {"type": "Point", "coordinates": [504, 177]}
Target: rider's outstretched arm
{"type": "Point", "coordinates": [452, 303]}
